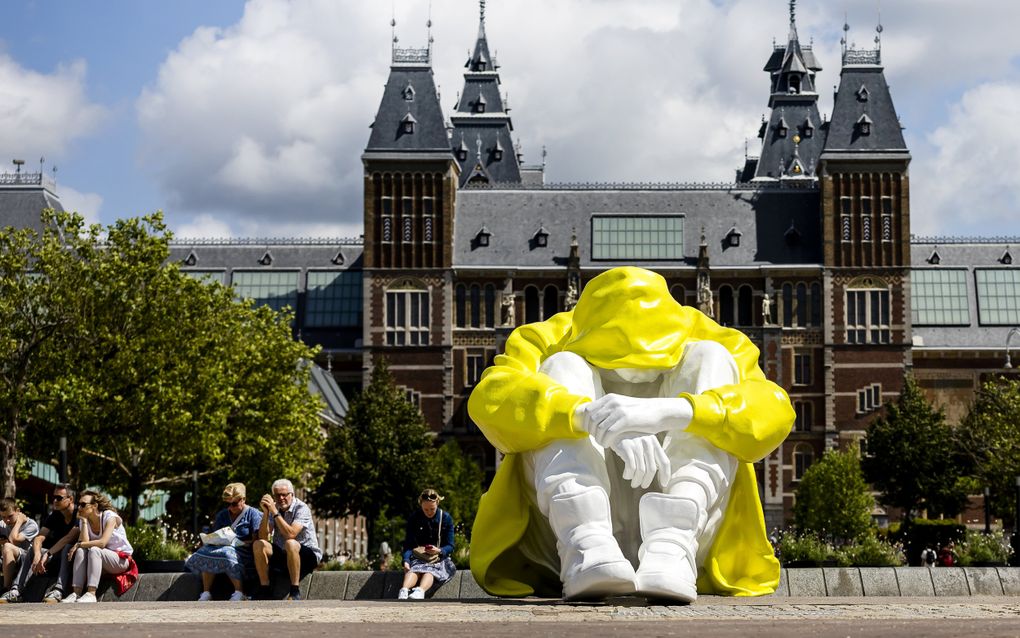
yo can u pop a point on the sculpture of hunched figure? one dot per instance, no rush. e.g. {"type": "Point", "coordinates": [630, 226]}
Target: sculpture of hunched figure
{"type": "Point", "coordinates": [766, 309]}
{"type": "Point", "coordinates": [629, 427]}
{"type": "Point", "coordinates": [570, 299]}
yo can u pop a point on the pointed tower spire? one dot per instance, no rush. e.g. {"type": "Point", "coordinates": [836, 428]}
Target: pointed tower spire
{"type": "Point", "coordinates": [482, 114]}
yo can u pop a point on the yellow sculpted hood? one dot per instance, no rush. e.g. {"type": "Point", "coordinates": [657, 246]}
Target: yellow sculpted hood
{"type": "Point", "coordinates": [626, 318]}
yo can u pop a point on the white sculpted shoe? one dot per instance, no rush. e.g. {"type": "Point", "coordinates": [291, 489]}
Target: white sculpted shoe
{"type": "Point", "coordinates": [592, 566]}
{"type": "Point", "coordinates": [669, 548]}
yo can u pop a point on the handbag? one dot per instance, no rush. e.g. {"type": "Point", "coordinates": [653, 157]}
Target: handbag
{"type": "Point", "coordinates": [221, 537]}
{"type": "Point", "coordinates": [420, 553]}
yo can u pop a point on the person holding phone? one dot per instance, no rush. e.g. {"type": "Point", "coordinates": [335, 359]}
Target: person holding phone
{"type": "Point", "coordinates": [428, 545]}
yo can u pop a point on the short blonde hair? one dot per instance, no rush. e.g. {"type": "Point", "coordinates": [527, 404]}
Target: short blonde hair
{"type": "Point", "coordinates": [233, 491]}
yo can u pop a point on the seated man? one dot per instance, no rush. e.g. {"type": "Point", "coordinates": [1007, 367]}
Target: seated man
{"type": "Point", "coordinates": [294, 548]}
{"type": "Point", "coordinates": [590, 408]}
{"type": "Point", "coordinates": [48, 554]}
{"type": "Point", "coordinates": [19, 530]}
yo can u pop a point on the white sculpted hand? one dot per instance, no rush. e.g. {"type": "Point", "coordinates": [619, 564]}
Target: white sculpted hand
{"type": "Point", "coordinates": [643, 457]}
{"type": "Point", "coordinates": [615, 415]}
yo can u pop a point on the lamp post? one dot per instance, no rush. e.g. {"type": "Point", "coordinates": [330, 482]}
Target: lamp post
{"type": "Point", "coordinates": [988, 510]}
{"type": "Point", "coordinates": [1009, 337]}
{"type": "Point", "coordinates": [62, 469]}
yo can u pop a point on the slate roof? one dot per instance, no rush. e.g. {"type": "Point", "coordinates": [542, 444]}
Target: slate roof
{"type": "Point", "coordinates": [335, 405]}
{"type": "Point", "coordinates": [970, 254]}
{"type": "Point", "coordinates": [844, 135]}
{"type": "Point", "coordinates": [777, 152]}
{"type": "Point", "coordinates": [23, 196]}
{"type": "Point", "coordinates": [513, 216]}
{"type": "Point", "coordinates": [430, 131]}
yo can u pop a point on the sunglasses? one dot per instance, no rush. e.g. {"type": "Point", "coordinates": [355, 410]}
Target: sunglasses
{"type": "Point", "coordinates": [429, 497]}
{"type": "Point", "coordinates": [57, 499]}
{"type": "Point", "coordinates": [85, 503]}
{"type": "Point", "coordinates": [233, 503]}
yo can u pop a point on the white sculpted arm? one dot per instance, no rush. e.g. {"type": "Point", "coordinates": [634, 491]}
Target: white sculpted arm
{"type": "Point", "coordinates": [615, 415]}
{"type": "Point", "coordinates": [643, 459]}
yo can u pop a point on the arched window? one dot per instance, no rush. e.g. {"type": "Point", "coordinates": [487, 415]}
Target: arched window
{"type": "Point", "coordinates": [461, 310]}
{"type": "Point", "coordinates": [550, 301]}
{"type": "Point", "coordinates": [726, 305]}
{"type": "Point", "coordinates": [803, 457]}
{"type": "Point", "coordinates": [490, 305]}
{"type": "Point", "coordinates": [787, 305]}
{"type": "Point", "coordinates": [476, 306]}
{"type": "Point", "coordinates": [745, 300]}
{"type": "Point", "coordinates": [678, 293]}
{"type": "Point", "coordinates": [531, 308]}
{"type": "Point", "coordinates": [816, 305]}
{"type": "Point", "coordinates": [802, 305]}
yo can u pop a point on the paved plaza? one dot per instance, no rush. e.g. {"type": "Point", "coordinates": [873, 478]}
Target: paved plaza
{"type": "Point", "coordinates": [709, 616]}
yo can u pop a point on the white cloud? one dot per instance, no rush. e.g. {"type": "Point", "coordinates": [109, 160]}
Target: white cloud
{"type": "Point", "coordinates": [265, 120]}
{"type": "Point", "coordinates": [87, 204]}
{"type": "Point", "coordinates": [226, 225]}
{"type": "Point", "coordinates": [968, 183]}
{"type": "Point", "coordinates": [43, 113]}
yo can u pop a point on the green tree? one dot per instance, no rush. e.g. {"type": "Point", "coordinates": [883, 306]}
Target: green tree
{"type": "Point", "coordinates": [912, 457]}
{"type": "Point", "coordinates": [833, 499]}
{"type": "Point", "coordinates": [990, 442]}
{"type": "Point", "coordinates": [161, 375]}
{"type": "Point", "coordinates": [378, 460]}
{"type": "Point", "coordinates": [459, 480]}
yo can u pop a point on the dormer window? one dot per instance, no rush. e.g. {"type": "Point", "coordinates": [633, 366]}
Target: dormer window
{"type": "Point", "coordinates": [934, 258]}
{"type": "Point", "coordinates": [781, 128]}
{"type": "Point", "coordinates": [541, 238]}
{"type": "Point", "coordinates": [482, 238]}
{"type": "Point", "coordinates": [480, 104]}
{"type": "Point", "coordinates": [1006, 258]}
{"type": "Point", "coordinates": [733, 237]}
{"type": "Point", "coordinates": [497, 153]}
{"type": "Point", "coordinates": [809, 128]}
{"type": "Point", "coordinates": [191, 259]}
{"type": "Point", "coordinates": [407, 124]}
{"type": "Point", "coordinates": [462, 151]}
{"type": "Point", "coordinates": [792, 235]}
{"type": "Point", "coordinates": [408, 93]}
{"type": "Point", "coordinates": [863, 94]}
{"type": "Point", "coordinates": [794, 84]}
{"type": "Point", "coordinates": [864, 125]}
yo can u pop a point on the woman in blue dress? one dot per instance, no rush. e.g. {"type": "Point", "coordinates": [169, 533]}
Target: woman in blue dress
{"type": "Point", "coordinates": [428, 545]}
{"type": "Point", "coordinates": [234, 558]}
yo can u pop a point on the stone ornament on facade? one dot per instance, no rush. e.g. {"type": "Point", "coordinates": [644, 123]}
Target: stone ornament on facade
{"type": "Point", "coordinates": [766, 309]}
{"type": "Point", "coordinates": [705, 304]}
{"type": "Point", "coordinates": [507, 309]}
{"type": "Point", "coordinates": [629, 426]}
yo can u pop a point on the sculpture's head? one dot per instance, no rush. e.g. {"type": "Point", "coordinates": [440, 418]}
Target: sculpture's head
{"type": "Point", "coordinates": [626, 318]}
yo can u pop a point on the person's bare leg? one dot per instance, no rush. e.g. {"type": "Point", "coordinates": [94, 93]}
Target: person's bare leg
{"type": "Point", "coordinates": [262, 550]}
{"type": "Point", "coordinates": [294, 561]}
{"type": "Point", "coordinates": [426, 582]}
{"type": "Point", "coordinates": [207, 580]}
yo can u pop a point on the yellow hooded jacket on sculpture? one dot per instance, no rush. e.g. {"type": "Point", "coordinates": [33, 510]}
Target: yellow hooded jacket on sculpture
{"type": "Point", "coordinates": [625, 318]}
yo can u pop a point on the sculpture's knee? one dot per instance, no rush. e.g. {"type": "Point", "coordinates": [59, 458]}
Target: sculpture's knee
{"type": "Point", "coordinates": [572, 371]}
{"type": "Point", "coordinates": [705, 365]}
{"type": "Point", "coordinates": [567, 468]}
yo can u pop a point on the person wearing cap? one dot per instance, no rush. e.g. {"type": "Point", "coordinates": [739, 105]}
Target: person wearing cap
{"type": "Point", "coordinates": [234, 557]}
{"type": "Point", "coordinates": [428, 545]}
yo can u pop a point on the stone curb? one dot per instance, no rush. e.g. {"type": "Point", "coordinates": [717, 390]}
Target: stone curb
{"type": "Point", "coordinates": [802, 582]}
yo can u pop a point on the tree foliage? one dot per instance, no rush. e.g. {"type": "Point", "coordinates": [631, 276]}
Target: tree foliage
{"type": "Point", "coordinates": [154, 374]}
{"type": "Point", "coordinates": [990, 442]}
{"type": "Point", "coordinates": [912, 457]}
{"type": "Point", "coordinates": [379, 459]}
{"type": "Point", "coordinates": [833, 499]}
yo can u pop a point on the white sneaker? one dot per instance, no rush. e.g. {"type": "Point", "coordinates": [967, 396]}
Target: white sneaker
{"type": "Point", "coordinates": [53, 596]}
{"type": "Point", "coordinates": [87, 597]}
{"type": "Point", "coordinates": [235, 597]}
{"type": "Point", "coordinates": [70, 598]}
{"type": "Point", "coordinates": [417, 594]}
{"type": "Point", "coordinates": [402, 594]}
{"type": "Point", "coordinates": [205, 597]}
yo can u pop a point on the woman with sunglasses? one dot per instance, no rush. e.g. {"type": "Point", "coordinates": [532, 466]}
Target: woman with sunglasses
{"type": "Point", "coordinates": [102, 546]}
{"type": "Point", "coordinates": [428, 545]}
{"type": "Point", "coordinates": [235, 557]}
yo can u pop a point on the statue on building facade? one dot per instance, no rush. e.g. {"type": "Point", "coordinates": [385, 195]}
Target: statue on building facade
{"type": "Point", "coordinates": [766, 309]}
{"type": "Point", "coordinates": [629, 425]}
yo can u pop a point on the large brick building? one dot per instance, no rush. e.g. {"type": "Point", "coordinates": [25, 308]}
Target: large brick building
{"type": "Point", "coordinates": [808, 251]}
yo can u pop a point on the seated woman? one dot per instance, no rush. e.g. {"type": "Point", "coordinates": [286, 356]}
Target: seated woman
{"type": "Point", "coordinates": [428, 545]}
{"type": "Point", "coordinates": [102, 546]}
{"type": "Point", "coordinates": [233, 559]}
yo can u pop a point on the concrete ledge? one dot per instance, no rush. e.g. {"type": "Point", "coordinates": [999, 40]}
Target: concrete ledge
{"type": "Point", "coordinates": [804, 582]}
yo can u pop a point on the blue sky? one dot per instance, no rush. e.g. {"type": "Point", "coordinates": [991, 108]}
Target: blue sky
{"type": "Point", "coordinates": [248, 118]}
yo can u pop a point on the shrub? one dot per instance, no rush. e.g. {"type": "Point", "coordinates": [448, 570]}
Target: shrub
{"type": "Point", "coordinates": [806, 547]}
{"type": "Point", "coordinates": [984, 548]}
{"type": "Point", "coordinates": [151, 542]}
{"type": "Point", "coordinates": [871, 551]}
{"type": "Point", "coordinates": [833, 499]}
